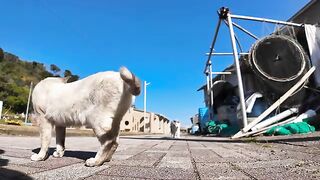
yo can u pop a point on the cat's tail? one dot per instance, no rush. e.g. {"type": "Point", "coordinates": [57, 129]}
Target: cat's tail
{"type": "Point", "coordinates": [133, 81]}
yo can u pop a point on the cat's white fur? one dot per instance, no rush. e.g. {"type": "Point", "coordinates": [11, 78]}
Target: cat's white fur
{"type": "Point", "coordinates": [98, 102]}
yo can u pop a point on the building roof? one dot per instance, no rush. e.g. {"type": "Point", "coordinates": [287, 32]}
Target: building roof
{"type": "Point", "coordinates": [160, 115]}
{"type": "Point", "coordinates": [304, 9]}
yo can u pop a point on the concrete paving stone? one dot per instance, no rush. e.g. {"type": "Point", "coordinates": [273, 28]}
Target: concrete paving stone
{"type": "Point", "coordinates": [176, 162]}
{"type": "Point", "coordinates": [283, 151]}
{"type": "Point", "coordinates": [228, 153]}
{"type": "Point", "coordinates": [145, 159]}
{"type": "Point", "coordinates": [18, 170]}
{"type": "Point", "coordinates": [103, 177]}
{"type": "Point", "coordinates": [157, 151]}
{"type": "Point", "coordinates": [184, 153]}
{"type": "Point", "coordinates": [262, 151]}
{"type": "Point", "coordinates": [146, 145]}
{"type": "Point", "coordinates": [164, 145]}
{"type": "Point", "coordinates": [194, 144]}
{"type": "Point", "coordinates": [17, 152]}
{"type": "Point", "coordinates": [53, 163]}
{"type": "Point", "coordinates": [298, 155]}
{"type": "Point", "coordinates": [15, 160]}
{"type": "Point", "coordinates": [177, 148]}
{"type": "Point", "coordinates": [313, 144]}
{"type": "Point", "coordinates": [302, 173]}
{"type": "Point", "coordinates": [290, 147]}
{"type": "Point", "coordinates": [200, 151]}
{"type": "Point", "coordinates": [274, 152]}
{"type": "Point", "coordinates": [252, 153]}
{"type": "Point", "coordinates": [207, 158]}
{"type": "Point", "coordinates": [234, 160]}
{"type": "Point", "coordinates": [120, 157]}
{"type": "Point", "coordinates": [195, 148]}
{"type": "Point", "coordinates": [148, 173]}
{"type": "Point", "coordinates": [74, 171]}
{"type": "Point", "coordinates": [180, 143]}
{"type": "Point", "coordinates": [266, 164]}
{"type": "Point", "coordinates": [213, 144]}
{"type": "Point", "coordinates": [219, 171]}
{"type": "Point", "coordinates": [130, 151]}
{"type": "Point", "coordinates": [130, 162]}
{"type": "Point", "coordinates": [160, 147]}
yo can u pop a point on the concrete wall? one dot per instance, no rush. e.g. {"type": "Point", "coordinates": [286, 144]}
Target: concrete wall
{"type": "Point", "coordinates": [133, 121]}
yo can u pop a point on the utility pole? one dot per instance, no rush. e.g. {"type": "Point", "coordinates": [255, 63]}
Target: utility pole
{"type": "Point", "coordinates": [29, 97]}
{"type": "Point", "coordinates": [1, 104]}
{"type": "Point", "coordinates": [145, 84]}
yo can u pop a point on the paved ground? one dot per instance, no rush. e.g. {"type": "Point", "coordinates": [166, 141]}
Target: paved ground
{"type": "Point", "coordinates": [155, 157]}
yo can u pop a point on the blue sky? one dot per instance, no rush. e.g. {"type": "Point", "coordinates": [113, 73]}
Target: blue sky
{"type": "Point", "coordinates": [162, 41]}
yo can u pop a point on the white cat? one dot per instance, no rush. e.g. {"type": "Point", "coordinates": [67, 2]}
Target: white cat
{"type": "Point", "coordinates": [98, 101]}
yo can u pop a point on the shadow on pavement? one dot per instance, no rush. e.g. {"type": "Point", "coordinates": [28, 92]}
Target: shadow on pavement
{"type": "Point", "coordinates": [84, 155]}
{"type": "Point", "coordinates": [8, 173]}
{"type": "Point", "coordinates": [266, 139]}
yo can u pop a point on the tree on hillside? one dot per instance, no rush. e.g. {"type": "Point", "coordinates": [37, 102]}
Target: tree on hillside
{"type": "Point", "coordinates": [73, 78]}
{"type": "Point", "coordinates": [55, 69]}
{"type": "Point", "coordinates": [1, 54]}
{"type": "Point", "coordinates": [68, 73]}
{"type": "Point", "coordinates": [15, 97]}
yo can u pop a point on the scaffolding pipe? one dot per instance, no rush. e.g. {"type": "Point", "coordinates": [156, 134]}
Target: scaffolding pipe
{"type": "Point", "coordinates": [237, 39]}
{"type": "Point", "coordinates": [245, 31]}
{"type": "Point", "coordinates": [213, 43]}
{"type": "Point", "coordinates": [208, 85]}
{"type": "Point", "coordinates": [236, 61]}
{"type": "Point", "coordinates": [210, 64]}
{"type": "Point", "coordinates": [238, 42]}
{"type": "Point", "coordinates": [225, 73]}
{"type": "Point", "coordinates": [265, 20]}
{"type": "Point", "coordinates": [211, 84]}
{"type": "Point", "coordinates": [225, 54]}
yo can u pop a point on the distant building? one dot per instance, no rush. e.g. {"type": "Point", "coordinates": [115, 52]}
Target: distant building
{"type": "Point", "coordinates": [133, 121]}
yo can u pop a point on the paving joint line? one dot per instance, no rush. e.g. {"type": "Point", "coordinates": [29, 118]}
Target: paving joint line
{"type": "Point", "coordinates": [237, 168]}
{"type": "Point", "coordinates": [142, 151]}
{"type": "Point", "coordinates": [212, 151]}
{"type": "Point", "coordinates": [96, 173]}
{"type": "Point", "coordinates": [193, 162]}
{"type": "Point", "coordinates": [248, 155]}
{"type": "Point", "coordinates": [155, 164]}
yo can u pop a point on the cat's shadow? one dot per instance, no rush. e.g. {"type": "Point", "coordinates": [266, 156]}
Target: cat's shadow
{"type": "Point", "coordinates": [74, 154]}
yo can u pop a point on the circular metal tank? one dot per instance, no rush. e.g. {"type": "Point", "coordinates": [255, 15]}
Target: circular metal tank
{"type": "Point", "coordinates": [279, 62]}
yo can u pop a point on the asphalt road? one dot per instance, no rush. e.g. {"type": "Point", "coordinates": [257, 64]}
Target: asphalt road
{"type": "Point", "coordinates": [156, 157]}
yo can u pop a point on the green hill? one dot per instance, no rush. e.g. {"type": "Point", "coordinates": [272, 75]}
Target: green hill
{"type": "Point", "coordinates": [16, 76]}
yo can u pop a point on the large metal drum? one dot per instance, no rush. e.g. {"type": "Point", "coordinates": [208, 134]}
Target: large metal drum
{"type": "Point", "coordinates": [279, 62]}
